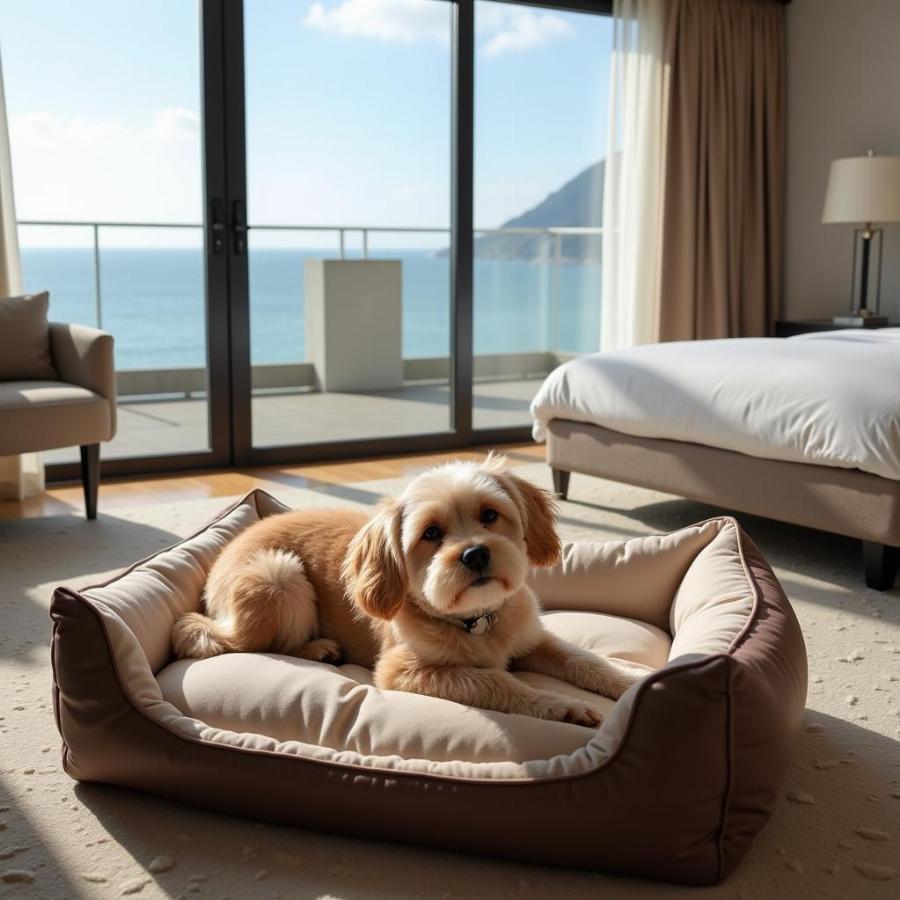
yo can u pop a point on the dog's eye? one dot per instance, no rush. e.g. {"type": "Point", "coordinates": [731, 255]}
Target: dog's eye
{"type": "Point", "coordinates": [432, 533]}
{"type": "Point", "coordinates": [489, 515]}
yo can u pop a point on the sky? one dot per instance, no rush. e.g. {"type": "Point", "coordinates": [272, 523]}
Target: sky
{"type": "Point", "coordinates": [348, 112]}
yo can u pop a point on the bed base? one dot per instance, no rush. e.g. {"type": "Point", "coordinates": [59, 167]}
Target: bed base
{"type": "Point", "coordinates": [844, 501]}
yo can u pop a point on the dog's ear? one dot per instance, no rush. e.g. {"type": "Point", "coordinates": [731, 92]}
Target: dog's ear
{"type": "Point", "coordinates": [374, 571]}
{"type": "Point", "coordinates": [538, 512]}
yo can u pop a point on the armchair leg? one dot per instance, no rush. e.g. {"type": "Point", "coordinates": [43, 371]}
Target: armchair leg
{"type": "Point", "coordinates": [560, 483]}
{"type": "Point", "coordinates": [90, 478]}
{"type": "Point", "coordinates": [880, 563]}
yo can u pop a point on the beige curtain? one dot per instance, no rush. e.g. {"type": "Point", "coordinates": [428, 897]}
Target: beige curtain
{"type": "Point", "coordinates": [20, 476]}
{"type": "Point", "coordinates": [724, 183]}
{"type": "Point", "coordinates": [634, 176]}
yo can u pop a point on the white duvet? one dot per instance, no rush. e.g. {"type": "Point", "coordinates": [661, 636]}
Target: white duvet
{"type": "Point", "coordinates": [830, 398]}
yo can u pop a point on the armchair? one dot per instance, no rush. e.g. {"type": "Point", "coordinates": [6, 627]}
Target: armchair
{"type": "Point", "coordinates": [77, 407]}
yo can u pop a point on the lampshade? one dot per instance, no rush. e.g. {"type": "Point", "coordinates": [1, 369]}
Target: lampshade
{"type": "Point", "coordinates": [863, 189]}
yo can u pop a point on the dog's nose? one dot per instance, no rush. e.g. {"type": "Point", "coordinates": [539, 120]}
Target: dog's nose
{"type": "Point", "coordinates": [475, 557]}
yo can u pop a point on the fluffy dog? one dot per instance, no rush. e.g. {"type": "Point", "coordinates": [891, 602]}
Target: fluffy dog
{"type": "Point", "coordinates": [431, 591]}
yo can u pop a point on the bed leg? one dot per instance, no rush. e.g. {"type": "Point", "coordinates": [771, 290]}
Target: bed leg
{"type": "Point", "coordinates": [880, 561]}
{"type": "Point", "coordinates": [560, 483]}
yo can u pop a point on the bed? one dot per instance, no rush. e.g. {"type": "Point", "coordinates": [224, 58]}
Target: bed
{"type": "Point", "coordinates": [805, 430]}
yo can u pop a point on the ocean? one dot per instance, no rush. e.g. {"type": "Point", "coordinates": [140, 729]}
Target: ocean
{"type": "Point", "coordinates": [153, 302]}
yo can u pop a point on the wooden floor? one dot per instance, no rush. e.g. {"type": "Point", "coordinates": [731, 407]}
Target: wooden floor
{"type": "Point", "coordinates": [119, 493]}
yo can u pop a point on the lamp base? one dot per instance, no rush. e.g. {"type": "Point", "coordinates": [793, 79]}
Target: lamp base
{"type": "Point", "coordinates": [860, 318]}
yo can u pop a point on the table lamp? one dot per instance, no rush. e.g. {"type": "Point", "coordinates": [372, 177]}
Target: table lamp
{"type": "Point", "coordinates": [863, 191]}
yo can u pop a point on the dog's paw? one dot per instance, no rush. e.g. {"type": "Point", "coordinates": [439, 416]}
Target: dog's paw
{"type": "Point", "coordinates": [625, 675]}
{"type": "Point", "coordinates": [322, 650]}
{"type": "Point", "coordinates": [574, 711]}
{"type": "Point", "coordinates": [607, 678]}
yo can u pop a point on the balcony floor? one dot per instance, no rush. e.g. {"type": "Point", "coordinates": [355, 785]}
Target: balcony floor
{"type": "Point", "coordinates": [149, 428]}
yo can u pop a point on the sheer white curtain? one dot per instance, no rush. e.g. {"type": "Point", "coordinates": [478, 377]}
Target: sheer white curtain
{"type": "Point", "coordinates": [634, 179]}
{"type": "Point", "coordinates": [20, 476]}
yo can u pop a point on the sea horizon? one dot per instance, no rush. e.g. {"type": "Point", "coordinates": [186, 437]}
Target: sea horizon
{"type": "Point", "coordinates": [146, 290]}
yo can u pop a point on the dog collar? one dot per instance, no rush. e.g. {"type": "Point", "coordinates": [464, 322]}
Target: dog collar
{"type": "Point", "coordinates": [476, 624]}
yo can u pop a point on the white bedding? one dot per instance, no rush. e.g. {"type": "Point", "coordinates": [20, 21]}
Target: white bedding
{"type": "Point", "coordinates": [829, 398]}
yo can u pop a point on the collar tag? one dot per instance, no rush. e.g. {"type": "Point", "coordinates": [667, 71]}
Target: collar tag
{"type": "Point", "coordinates": [481, 624]}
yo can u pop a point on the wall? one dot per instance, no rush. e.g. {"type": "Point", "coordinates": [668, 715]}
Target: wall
{"type": "Point", "coordinates": [843, 65]}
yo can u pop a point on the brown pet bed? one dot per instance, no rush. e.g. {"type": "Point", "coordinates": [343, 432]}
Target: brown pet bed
{"type": "Point", "coordinates": [682, 774]}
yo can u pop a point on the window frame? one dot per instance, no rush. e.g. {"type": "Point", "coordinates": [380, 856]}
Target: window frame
{"type": "Point", "coordinates": [227, 279]}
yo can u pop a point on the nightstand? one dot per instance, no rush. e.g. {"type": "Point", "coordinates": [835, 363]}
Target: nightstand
{"type": "Point", "coordinates": [785, 328]}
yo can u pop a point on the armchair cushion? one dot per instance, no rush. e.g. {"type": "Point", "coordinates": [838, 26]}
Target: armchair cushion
{"type": "Point", "coordinates": [25, 339]}
{"type": "Point", "coordinates": [44, 415]}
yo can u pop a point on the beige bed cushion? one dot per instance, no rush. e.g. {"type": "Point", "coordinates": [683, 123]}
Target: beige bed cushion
{"type": "Point", "coordinates": [616, 598]}
{"type": "Point", "coordinates": [25, 339]}
{"type": "Point", "coordinates": [714, 599]}
{"type": "Point", "coordinates": [154, 593]}
{"type": "Point", "coordinates": [693, 583]}
{"type": "Point", "coordinates": [296, 700]}
{"type": "Point", "coordinates": [637, 578]}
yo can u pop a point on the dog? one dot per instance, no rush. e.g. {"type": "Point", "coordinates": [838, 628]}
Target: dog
{"type": "Point", "coordinates": [430, 591]}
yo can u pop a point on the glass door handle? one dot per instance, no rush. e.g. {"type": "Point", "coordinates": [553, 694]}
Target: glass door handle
{"type": "Point", "coordinates": [217, 227]}
{"type": "Point", "coordinates": [239, 227]}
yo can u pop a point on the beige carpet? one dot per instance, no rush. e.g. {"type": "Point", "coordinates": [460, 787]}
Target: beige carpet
{"type": "Point", "coordinates": [96, 841]}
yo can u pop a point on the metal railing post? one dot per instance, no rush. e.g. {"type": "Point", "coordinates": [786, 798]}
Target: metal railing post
{"type": "Point", "coordinates": [98, 296]}
{"type": "Point", "coordinates": [555, 293]}
{"type": "Point", "coordinates": [365, 239]}
{"type": "Point", "coordinates": [341, 238]}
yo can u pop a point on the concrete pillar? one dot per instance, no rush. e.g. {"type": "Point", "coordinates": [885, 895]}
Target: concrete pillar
{"type": "Point", "coordinates": [354, 323]}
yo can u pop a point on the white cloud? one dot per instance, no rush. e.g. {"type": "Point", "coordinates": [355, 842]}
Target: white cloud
{"type": "Point", "coordinates": [176, 123]}
{"type": "Point", "coordinates": [400, 21]}
{"type": "Point", "coordinates": [501, 29]}
{"type": "Point", "coordinates": [103, 169]}
{"type": "Point", "coordinates": [525, 30]}
{"type": "Point", "coordinates": [107, 169]}
{"type": "Point", "coordinates": [41, 131]}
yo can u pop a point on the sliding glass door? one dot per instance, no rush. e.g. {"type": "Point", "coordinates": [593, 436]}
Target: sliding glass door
{"type": "Point", "coordinates": [541, 95]}
{"type": "Point", "coordinates": [314, 227]}
{"type": "Point", "coordinates": [108, 165]}
{"type": "Point", "coordinates": [348, 208]}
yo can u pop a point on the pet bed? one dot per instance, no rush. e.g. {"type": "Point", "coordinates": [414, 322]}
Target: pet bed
{"type": "Point", "coordinates": [682, 774]}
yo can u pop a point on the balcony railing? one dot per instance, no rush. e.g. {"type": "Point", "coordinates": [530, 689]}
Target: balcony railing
{"type": "Point", "coordinates": [554, 235]}
{"type": "Point", "coordinates": [191, 381]}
